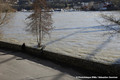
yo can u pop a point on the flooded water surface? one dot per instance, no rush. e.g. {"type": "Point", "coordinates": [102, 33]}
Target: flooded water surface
{"type": "Point", "coordinates": [76, 34]}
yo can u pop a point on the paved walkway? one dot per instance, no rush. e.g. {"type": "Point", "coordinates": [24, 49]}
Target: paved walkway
{"type": "Point", "coordinates": [17, 66]}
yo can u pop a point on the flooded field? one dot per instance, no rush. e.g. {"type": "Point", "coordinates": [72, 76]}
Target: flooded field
{"type": "Point", "coordinates": [76, 34]}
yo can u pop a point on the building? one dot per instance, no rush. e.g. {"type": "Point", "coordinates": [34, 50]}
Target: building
{"type": "Point", "coordinates": [76, 4]}
{"type": "Point", "coordinates": [24, 4]}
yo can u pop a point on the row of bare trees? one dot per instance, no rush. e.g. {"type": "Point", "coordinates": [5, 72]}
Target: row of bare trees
{"type": "Point", "coordinates": [40, 20]}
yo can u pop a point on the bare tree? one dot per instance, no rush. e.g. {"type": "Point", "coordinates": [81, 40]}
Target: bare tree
{"type": "Point", "coordinates": [112, 19]}
{"type": "Point", "coordinates": [40, 20]}
{"type": "Point", "coordinates": [5, 12]}
{"type": "Point", "coordinates": [114, 22]}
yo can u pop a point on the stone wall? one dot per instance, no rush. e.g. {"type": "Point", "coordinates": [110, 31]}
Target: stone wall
{"type": "Point", "coordinates": [65, 59]}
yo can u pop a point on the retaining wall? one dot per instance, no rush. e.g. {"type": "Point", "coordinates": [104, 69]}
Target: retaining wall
{"type": "Point", "coordinates": [65, 59]}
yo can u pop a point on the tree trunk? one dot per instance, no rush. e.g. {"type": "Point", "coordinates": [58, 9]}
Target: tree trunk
{"type": "Point", "coordinates": [40, 31]}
